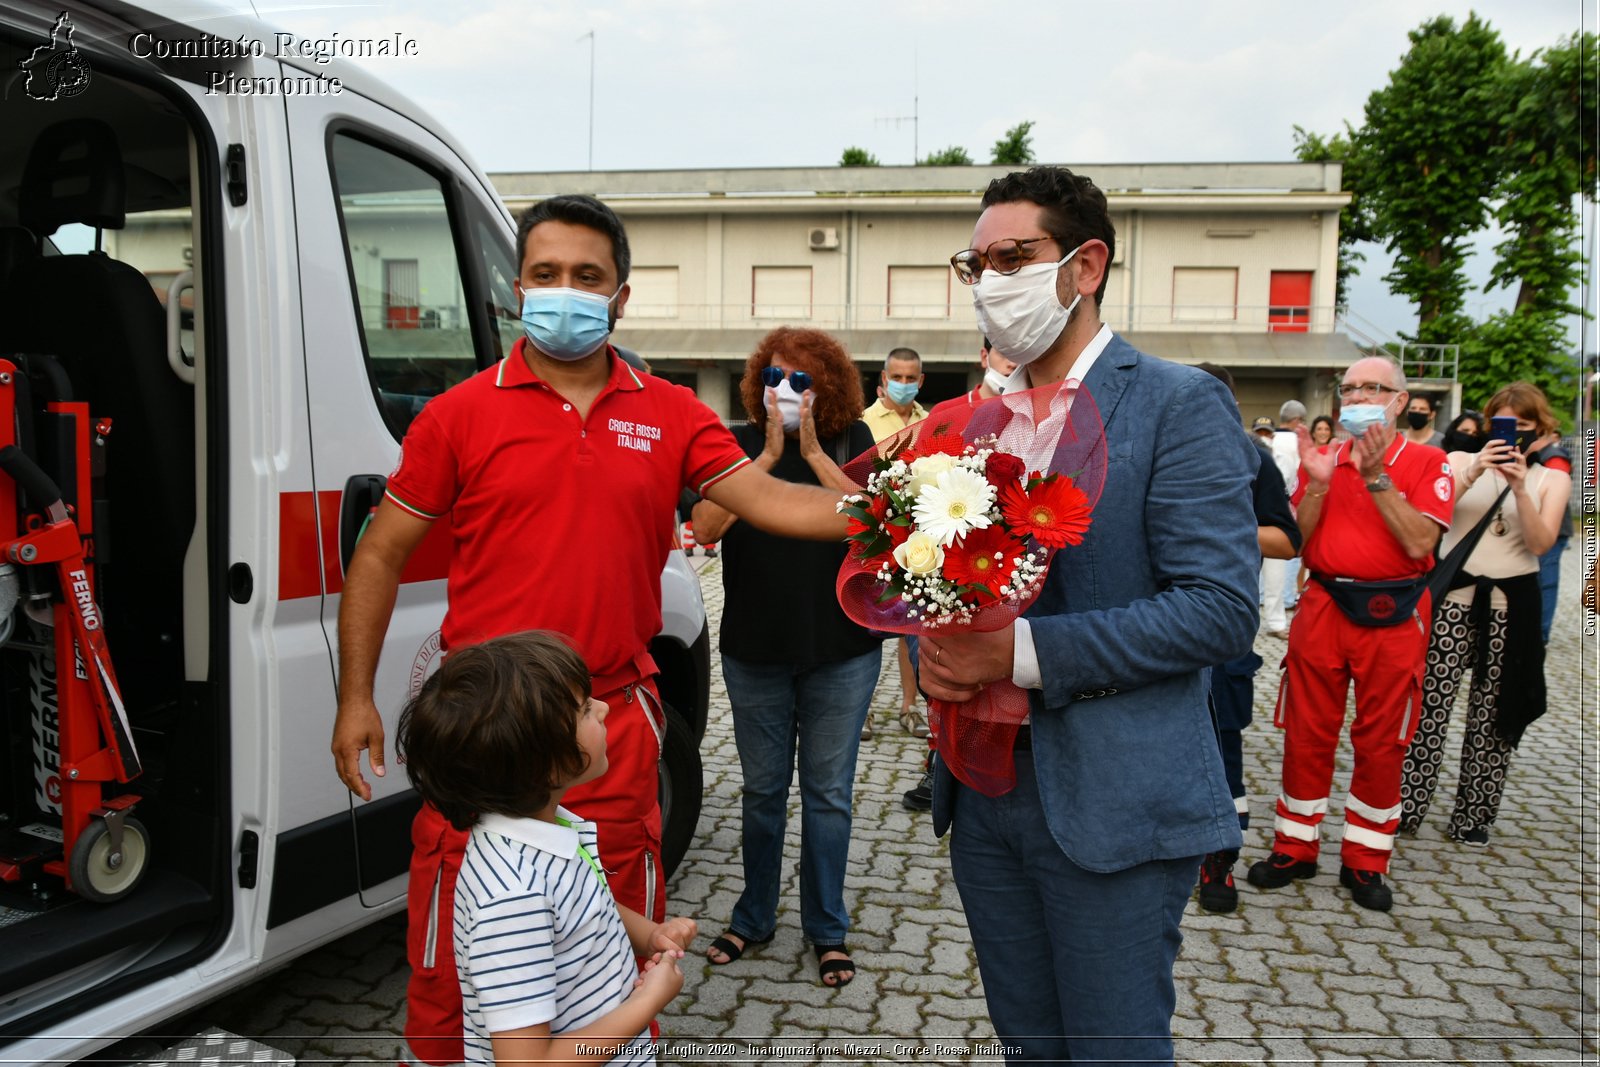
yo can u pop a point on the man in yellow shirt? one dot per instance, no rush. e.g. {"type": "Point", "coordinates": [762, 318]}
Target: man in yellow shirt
{"type": "Point", "coordinates": [895, 409]}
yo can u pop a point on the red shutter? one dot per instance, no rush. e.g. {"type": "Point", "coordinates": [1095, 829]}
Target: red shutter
{"type": "Point", "coordinates": [1289, 297]}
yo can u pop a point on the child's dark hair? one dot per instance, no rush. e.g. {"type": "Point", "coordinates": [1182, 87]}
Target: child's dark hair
{"type": "Point", "coordinates": [496, 727]}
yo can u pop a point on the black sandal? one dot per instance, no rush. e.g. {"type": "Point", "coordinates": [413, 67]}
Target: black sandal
{"type": "Point", "coordinates": [827, 968]}
{"type": "Point", "coordinates": [732, 950]}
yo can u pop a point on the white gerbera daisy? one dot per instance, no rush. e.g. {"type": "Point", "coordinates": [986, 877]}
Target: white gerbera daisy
{"type": "Point", "coordinates": [959, 500]}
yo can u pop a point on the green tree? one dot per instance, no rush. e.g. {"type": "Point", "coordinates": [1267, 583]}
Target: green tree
{"type": "Point", "coordinates": [1355, 223]}
{"type": "Point", "coordinates": [1514, 345]}
{"type": "Point", "coordinates": [1429, 167]}
{"type": "Point", "coordinates": [1546, 160]}
{"type": "Point", "coordinates": [1546, 157]}
{"type": "Point", "coordinates": [1015, 149]}
{"type": "Point", "coordinates": [954, 156]}
{"type": "Point", "coordinates": [857, 157]}
{"type": "Point", "coordinates": [1463, 130]}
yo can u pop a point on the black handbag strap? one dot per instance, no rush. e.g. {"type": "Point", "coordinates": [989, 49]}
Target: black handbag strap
{"type": "Point", "coordinates": [1444, 571]}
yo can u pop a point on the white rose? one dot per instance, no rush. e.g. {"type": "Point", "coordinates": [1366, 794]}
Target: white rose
{"type": "Point", "coordinates": [920, 554]}
{"type": "Point", "coordinates": [925, 470]}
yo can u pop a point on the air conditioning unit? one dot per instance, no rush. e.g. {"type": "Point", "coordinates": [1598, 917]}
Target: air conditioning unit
{"type": "Point", "coordinates": [824, 238]}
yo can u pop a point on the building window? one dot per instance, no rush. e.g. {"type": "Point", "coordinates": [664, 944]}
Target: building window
{"type": "Point", "coordinates": [653, 293]}
{"type": "Point", "coordinates": [1205, 294]}
{"type": "Point", "coordinates": [919, 292]}
{"type": "Point", "coordinates": [1289, 301]}
{"type": "Point", "coordinates": [780, 293]}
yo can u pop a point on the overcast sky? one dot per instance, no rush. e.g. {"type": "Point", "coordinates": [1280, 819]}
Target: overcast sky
{"type": "Point", "coordinates": [731, 83]}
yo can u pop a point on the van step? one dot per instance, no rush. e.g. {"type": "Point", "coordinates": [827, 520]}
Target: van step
{"type": "Point", "coordinates": [220, 1048]}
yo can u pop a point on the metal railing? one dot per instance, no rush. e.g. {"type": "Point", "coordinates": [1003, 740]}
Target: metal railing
{"type": "Point", "coordinates": [1429, 363]}
{"type": "Point", "coordinates": [957, 314]}
{"type": "Point", "coordinates": [416, 317]}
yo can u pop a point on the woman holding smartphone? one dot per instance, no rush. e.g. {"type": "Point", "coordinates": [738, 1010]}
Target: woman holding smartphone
{"type": "Point", "coordinates": [1489, 621]}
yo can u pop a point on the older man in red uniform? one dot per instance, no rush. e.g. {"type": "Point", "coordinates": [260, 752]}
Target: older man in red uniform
{"type": "Point", "coordinates": [560, 444]}
{"type": "Point", "coordinates": [1371, 513]}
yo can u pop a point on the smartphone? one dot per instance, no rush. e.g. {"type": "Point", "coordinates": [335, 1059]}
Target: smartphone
{"type": "Point", "coordinates": [1503, 428]}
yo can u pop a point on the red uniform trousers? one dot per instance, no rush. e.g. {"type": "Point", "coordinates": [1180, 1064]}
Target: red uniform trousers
{"type": "Point", "coordinates": [1326, 652]}
{"type": "Point", "coordinates": [624, 804]}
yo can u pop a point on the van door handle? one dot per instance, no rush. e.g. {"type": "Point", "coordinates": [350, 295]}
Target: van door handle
{"type": "Point", "coordinates": [362, 494]}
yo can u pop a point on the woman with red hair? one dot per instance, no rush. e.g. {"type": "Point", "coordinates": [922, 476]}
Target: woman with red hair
{"type": "Point", "coordinates": [799, 673]}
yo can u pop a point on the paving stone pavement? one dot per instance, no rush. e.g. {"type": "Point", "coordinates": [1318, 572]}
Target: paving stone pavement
{"type": "Point", "coordinates": [1487, 957]}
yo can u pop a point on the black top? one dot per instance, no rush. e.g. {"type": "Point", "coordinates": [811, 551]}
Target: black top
{"type": "Point", "coordinates": [778, 593]}
{"type": "Point", "coordinates": [1272, 500]}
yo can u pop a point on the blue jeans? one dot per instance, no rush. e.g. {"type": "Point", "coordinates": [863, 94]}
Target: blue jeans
{"type": "Point", "coordinates": [1550, 584]}
{"type": "Point", "coordinates": [1076, 965]}
{"type": "Point", "coordinates": [819, 710]}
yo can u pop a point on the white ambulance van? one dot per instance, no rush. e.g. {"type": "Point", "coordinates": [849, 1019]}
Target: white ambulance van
{"type": "Point", "coordinates": [231, 273]}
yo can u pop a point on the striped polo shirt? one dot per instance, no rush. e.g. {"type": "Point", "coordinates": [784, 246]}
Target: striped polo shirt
{"type": "Point", "coordinates": [538, 938]}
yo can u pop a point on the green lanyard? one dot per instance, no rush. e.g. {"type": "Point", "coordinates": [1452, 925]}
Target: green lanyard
{"type": "Point", "coordinates": [588, 856]}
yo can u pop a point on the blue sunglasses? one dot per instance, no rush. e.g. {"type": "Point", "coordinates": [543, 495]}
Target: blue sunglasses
{"type": "Point", "coordinates": [799, 380]}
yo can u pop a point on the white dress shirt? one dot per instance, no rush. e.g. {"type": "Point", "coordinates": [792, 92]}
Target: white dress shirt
{"type": "Point", "coordinates": [1025, 658]}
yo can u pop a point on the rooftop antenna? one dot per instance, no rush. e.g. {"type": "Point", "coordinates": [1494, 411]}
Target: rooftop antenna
{"type": "Point", "coordinates": [590, 36]}
{"type": "Point", "coordinates": [900, 120]}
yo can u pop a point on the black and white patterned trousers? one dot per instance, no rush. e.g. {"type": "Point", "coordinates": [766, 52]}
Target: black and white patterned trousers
{"type": "Point", "coordinates": [1485, 755]}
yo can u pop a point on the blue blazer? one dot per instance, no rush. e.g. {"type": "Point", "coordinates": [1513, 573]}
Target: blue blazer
{"type": "Point", "coordinates": [1163, 586]}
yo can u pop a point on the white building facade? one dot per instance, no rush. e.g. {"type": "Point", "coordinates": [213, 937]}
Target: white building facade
{"type": "Point", "coordinates": [1234, 264]}
{"type": "Point", "coordinates": [1228, 263]}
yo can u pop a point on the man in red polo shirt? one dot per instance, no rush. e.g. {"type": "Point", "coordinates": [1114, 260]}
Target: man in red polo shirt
{"type": "Point", "coordinates": [1371, 513]}
{"type": "Point", "coordinates": [996, 369]}
{"type": "Point", "coordinates": [558, 470]}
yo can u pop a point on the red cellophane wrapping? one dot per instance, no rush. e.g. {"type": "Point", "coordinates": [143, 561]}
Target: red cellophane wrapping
{"type": "Point", "coordinates": [1052, 430]}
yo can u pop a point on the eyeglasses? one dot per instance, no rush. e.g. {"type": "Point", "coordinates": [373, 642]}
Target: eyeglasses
{"type": "Point", "coordinates": [1373, 389]}
{"type": "Point", "coordinates": [1005, 256]}
{"type": "Point", "coordinates": [799, 380]}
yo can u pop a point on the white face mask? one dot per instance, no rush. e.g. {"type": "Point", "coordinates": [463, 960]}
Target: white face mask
{"type": "Point", "coordinates": [788, 406]}
{"type": "Point", "coordinates": [1020, 313]}
{"type": "Point", "coordinates": [995, 380]}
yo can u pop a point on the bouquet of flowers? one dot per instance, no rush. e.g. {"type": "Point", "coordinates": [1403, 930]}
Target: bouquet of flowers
{"type": "Point", "coordinates": [955, 532]}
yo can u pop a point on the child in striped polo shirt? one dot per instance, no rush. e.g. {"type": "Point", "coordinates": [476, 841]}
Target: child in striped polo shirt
{"type": "Point", "coordinates": [544, 954]}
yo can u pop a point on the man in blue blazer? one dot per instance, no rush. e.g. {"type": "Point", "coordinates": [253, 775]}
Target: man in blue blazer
{"type": "Point", "coordinates": [1074, 882]}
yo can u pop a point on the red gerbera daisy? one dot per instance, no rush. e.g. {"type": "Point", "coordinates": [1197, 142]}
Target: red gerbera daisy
{"type": "Point", "coordinates": [936, 439]}
{"type": "Point", "coordinates": [1055, 512]}
{"type": "Point", "coordinates": [983, 557]}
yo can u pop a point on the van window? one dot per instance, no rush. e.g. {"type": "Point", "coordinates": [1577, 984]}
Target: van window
{"type": "Point", "coordinates": [407, 282]}
{"type": "Point", "coordinates": [501, 269]}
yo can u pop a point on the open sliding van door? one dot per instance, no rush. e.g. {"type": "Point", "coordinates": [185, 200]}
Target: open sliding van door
{"type": "Point", "coordinates": [396, 316]}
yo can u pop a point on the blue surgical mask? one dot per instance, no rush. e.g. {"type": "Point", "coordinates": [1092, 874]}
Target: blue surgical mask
{"type": "Point", "coordinates": [566, 324]}
{"type": "Point", "coordinates": [902, 393]}
{"type": "Point", "coordinates": [1357, 417]}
